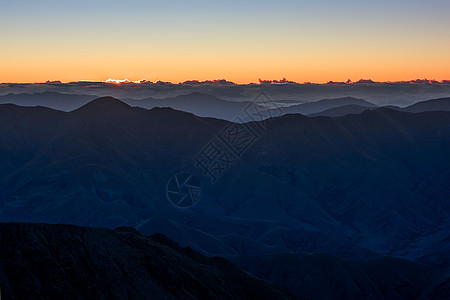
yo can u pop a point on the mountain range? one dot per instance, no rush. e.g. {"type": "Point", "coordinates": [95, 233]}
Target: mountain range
{"type": "Point", "coordinates": [441, 104]}
{"type": "Point", "coordinates": [379, 93]}
{"type": "Point", "coordinates": [324, 105]}
{"type": "Point", "coordinates": [357, 187]}
{"type": "Point", "coordinates": [55, 100]}
{"type": "Point", "coordinates": [202, 105]}
{"type": "Point", "coordinates": [205, 105]}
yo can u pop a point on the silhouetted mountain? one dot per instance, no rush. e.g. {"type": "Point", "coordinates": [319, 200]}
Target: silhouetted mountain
{"type": "Point", "coordinates": [325, 104]}
{"type": "Point", "coordinates": [64, 102]}
{"type": "Point", "coordinates": [204, 105]}
{"type": "Point", "coordinates": [321, 276]}
{"type": "Point", "coordinates": [199, 104]}
{"type": "Point", "coordinates": [442, 104]}
{"type": "Point", "coordinates": [342, 111]}
{"type": "Point", "coordinates": [103, 103]}
{"type": "Point", "coordinates": [392, 107]}
{"type": "Point", "coordinates": [70, 262]}
{"type": "Point", "coordinates": [379, 93]}
{"type": "Point", "coordinates": [359, 186]}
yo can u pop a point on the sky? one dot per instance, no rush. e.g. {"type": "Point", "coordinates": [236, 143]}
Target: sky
{"type": "Point", "coordinates": [241, 41]}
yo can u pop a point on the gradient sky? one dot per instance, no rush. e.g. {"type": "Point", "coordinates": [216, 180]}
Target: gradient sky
{"type": "Point", "coordinates": [240, 41]}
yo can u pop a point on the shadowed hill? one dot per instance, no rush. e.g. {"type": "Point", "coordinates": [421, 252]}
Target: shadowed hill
{"type": "Point", "coordinates": [71, 262]}
{"type": "Point", "coordinates": [382, 278]}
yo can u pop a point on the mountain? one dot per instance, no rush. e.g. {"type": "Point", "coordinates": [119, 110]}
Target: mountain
{"type": "Point", "coordinates": [359, 186]}
{"type": "Point", "coordinates": [381, 278]}
{"type": "Point", "coordinates": [441, 104]}
{"type": "Point", "coordinates": [71, 262]}
{"type": "Point", "coordinates": [379, 93]}
{"type": "Point", "coordinates": [342, 111]}
{"type": "Point", "coordinates": [104, 105]}
{"type": "Point", "coordinates": [67, 261]}
{"type": "Point", "coordinates": [197, 103]}
{"type": "Point", "coordinates": [55, 100]}
{"type": "Point", "coordinates": [325, 104]}
{"type": "Point", "coordinates": [205, 105]}
{"type": "Point", "coordinates": [202, 105]}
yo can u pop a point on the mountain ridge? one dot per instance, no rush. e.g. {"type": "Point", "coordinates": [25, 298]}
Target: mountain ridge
{"type": "Point", "coordinates": [357, 187]}
{"type": "Point", "coordinates": [67, 261]}
{"type": "Point", "coordinates": [440, 104]}
{"type": "Point", "coordinates": [315, 107]}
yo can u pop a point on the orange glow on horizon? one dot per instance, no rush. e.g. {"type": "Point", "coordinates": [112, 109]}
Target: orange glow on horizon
{"type": "Point", "coordinates": [258, 82]}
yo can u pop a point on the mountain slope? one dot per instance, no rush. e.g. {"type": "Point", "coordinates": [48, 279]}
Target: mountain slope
{"type": "Point", "coordinates": [325, 104]}
{"type": "Point", "coordinates": [71, 262]}
{"type": "Point", "coordinates": [54, 100]}
{"type": "Point", "coordinates": [202, 105]}
{"type": "Point", "coordinates": [382, 278]}
{"type": "Point", "coordinates": [358, 186]}
{"type": "Point", "coordinates": [341, 111]}
{"type": "Point", "coordinates": [441, 104]}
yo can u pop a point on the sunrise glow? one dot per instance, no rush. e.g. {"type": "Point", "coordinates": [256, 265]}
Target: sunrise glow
{"type": "Point", "coordinates": [201, 41]}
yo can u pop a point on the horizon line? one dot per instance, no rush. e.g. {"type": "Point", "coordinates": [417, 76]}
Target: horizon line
{"type": "Point", "coordinates": [224, 81]}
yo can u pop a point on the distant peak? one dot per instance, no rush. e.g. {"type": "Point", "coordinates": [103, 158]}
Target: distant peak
{"type": "Point", "coordinates": [107, 102]}
{"type": "Point", "coordinates": [197, 95]}
{"type": "Point", "coordinates": [106, 98]}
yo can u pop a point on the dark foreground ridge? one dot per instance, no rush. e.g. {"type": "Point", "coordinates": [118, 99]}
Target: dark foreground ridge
{"type": "Point", "coordinates": [40, 261]}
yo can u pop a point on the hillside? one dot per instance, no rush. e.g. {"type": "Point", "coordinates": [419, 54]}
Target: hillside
{"type": "Point", "coordinates": [71, 262]}
{"type": "Point", "coordinates": [358, 186]}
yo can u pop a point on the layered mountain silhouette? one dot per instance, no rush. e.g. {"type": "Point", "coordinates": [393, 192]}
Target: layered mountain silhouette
{"type": "Point", "coordinates": [360, 186]}
{"type": "Point", "coordinates": [55, 100]}
{"type": "Point", "coordinates": [39, 261]}
{"type": "Point", "coordinates": [379, 93]}
{"type": "Point", "coordinates": [107, 164]}
{"type": "Point", "coordinates": [351, 109]}
{"type": "Point", "coordinates": [205, 105]}
{"type": "Point", "coordinates": [202, 105]}
{"type": "Point", "coordinates": [324, 105]}
{"type": "Point", "coordinates": [344, 106]}
{"type": "Point", "coordinates": [441, 104]}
